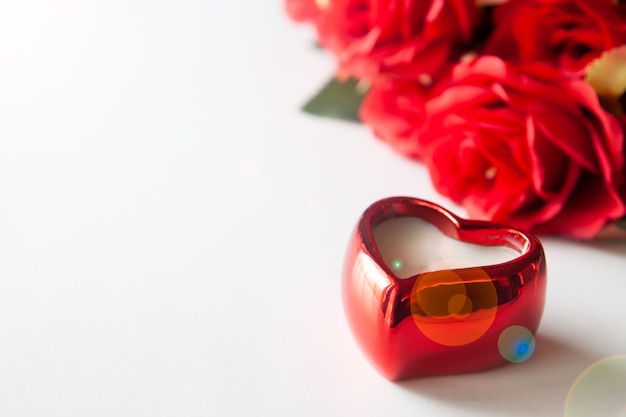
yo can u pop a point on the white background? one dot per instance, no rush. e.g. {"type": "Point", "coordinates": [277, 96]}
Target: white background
{"type": "Point", "coordinates": [172, 228]}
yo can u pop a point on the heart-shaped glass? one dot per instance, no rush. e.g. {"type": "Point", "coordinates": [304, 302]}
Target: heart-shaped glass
{"type": "Point", "coordinates": [428, 293]}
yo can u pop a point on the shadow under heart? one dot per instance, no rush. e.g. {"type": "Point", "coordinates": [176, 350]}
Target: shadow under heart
{"type": "Point", "coordinates": [537, 387]}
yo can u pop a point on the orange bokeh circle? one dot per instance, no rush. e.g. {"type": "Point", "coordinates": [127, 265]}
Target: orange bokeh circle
{"type": "Point", "coordinates": [454, 307]}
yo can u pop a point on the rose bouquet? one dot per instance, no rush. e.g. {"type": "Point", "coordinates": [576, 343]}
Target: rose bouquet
{"type": "Point", "coordinates": [516, 107]}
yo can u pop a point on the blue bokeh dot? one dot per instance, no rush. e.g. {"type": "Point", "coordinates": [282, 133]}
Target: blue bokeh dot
{"type": "Point", "coordinates": [516, 344]}
{"type": "Point", "coordinates": [522, 348]}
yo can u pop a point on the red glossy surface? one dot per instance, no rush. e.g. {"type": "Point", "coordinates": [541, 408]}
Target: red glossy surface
{"type": "Point", "coordinates": [405, 327]}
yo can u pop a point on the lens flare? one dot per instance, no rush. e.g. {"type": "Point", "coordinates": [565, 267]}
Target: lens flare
{"type": "Point", "coordinates": [516, 344]}
{"type": "Point", "coordinates": [600, 390]}
{"type": "Point", "coordinates": [454, 307]}
{"type": "Point", "coordinates": [396, 264]}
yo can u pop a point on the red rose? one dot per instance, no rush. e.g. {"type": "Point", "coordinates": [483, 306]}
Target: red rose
{"type": "Point", "coordinates": [566, 33]}
{"type": "Point", "coordinates": [522, 145]}
{"type": "Point", "coordinates": [394, 109]}
{"type": "Point", "coordinates": [398, 37]}
{"type": "Point", "coordinates": [302, 10]}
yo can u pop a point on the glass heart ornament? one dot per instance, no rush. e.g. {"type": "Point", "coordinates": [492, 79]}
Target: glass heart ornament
{"type": "Point", "coordinates": [428, 293]}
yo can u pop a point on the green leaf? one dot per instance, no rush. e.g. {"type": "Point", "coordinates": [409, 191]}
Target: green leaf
{"type": "Point", "coordinates": [338, 100]}
{"type": "Point", "coordinates": [621, 223]}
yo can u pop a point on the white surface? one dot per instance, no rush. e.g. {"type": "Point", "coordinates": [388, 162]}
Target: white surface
{"type": "Point", "coordinates": [172, 228]}
{"type": "Point", "coordinates": [410, 245]}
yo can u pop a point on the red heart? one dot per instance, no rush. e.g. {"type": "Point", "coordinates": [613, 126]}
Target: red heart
{"type": "Point", "coordinates": [445, 321]}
